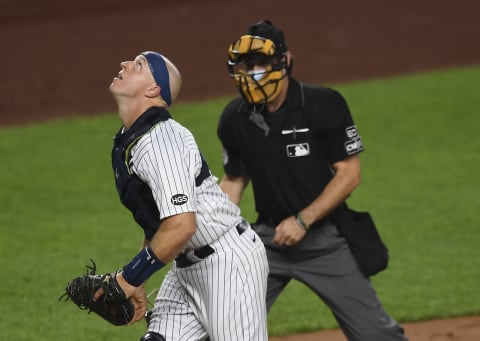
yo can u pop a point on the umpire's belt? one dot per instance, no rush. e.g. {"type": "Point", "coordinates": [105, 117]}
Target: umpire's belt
{"type": "Point", "coordinates": [194, 256]}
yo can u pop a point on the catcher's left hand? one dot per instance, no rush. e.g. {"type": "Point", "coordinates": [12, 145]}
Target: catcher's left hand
{"type": "Point", "coordinates": [112, 305]}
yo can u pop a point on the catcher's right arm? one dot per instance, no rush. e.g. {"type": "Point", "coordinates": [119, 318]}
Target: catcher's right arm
{"type": "Point", "coordinates": [112, 305]}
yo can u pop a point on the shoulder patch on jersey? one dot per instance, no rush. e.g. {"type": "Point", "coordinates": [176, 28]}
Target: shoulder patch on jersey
{"type": "Point", "coordinates": [179, 199]}
{"type": "Point", "coordinates": [354, 145]}
{"type": "Point", "coordinates": [351, 132]}
{"type": "Point", "coordinates": [225, 156]}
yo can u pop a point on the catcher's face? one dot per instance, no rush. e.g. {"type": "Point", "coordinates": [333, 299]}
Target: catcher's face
{"type": "Point", "coordinates": [134, 79]}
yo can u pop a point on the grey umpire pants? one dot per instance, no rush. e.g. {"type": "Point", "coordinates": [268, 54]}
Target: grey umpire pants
{"type": "Point", "coordinates": [323, 261]}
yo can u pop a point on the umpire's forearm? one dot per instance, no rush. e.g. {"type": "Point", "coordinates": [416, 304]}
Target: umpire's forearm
{"type": "Point", "coordinates": [234, 187]}
{"type": "Point", "coordinates": [346, 179]}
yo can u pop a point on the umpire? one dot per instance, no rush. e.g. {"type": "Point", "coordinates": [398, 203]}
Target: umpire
{"type": "Point", "coordinates": [299, 147]}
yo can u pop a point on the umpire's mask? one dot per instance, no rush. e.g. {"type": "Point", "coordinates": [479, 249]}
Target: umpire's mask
{"type": "Point", "coordinates": [257, 62]}
{"type": "Point", "coordinates": [256, 68]}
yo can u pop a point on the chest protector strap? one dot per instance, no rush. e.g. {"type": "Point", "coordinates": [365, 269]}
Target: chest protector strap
{"type": "Point", "coordinates": [133, 192]}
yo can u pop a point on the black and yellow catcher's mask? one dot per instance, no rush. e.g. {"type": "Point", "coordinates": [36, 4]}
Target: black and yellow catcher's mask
{"type": "Point", "coordinates": [256, 68]}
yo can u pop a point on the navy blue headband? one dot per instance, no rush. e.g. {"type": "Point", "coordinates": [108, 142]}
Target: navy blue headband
{"type": "Point", "coordinates": [160, 73]}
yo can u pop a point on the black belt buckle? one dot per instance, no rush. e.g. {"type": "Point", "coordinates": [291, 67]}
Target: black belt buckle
{"type": "Point", "coordinates": [191, 257]}
{"type": "Point", "coordinates": [242, 227]}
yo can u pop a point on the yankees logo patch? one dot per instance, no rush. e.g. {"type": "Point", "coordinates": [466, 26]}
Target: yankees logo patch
{"type": "Point", "coordinates": [354, 144]}
{"type": "Point", "coordinates": [298, 149]}
{"type": "Point", "coordinates": [179, 199]}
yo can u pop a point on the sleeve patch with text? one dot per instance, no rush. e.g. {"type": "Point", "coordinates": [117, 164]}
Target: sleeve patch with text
{"type": "Point", "coordinates": [354, 144]}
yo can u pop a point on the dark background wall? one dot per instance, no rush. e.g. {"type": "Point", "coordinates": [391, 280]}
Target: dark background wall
{"type": "Point", "coordinates": [58, 57]}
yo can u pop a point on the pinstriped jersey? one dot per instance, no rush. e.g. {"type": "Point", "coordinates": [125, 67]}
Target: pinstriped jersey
{"type": "Point", "coordinates": [167, 159]}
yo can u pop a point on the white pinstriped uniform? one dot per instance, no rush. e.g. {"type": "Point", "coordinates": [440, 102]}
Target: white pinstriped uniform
{"type": "Point", "coordinates": [222, 296]}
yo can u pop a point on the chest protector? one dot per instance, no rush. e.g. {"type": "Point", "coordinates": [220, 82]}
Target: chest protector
{"type": "Point", "coordinates": [133, 192]}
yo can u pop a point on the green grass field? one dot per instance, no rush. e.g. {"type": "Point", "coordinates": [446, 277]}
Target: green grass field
{"type": "Point", "coordinates": [420, 182]}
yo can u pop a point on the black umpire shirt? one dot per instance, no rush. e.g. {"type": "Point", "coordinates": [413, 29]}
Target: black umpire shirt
{"type": "Point", "coordinates": [289, 164]}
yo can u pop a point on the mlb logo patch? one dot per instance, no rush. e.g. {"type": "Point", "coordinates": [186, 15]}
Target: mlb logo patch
{"type": "Point", "coordinates": [298, 149]}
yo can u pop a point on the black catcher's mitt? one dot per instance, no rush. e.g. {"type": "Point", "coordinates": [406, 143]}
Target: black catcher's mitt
{"type": "Point", "coordinates": [112, 305]}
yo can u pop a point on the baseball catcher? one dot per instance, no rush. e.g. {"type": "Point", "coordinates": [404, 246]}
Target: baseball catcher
{"type": "Point", "coordinates": [112, 305]}
{"type": "Point", "coordinates": [164, 181]}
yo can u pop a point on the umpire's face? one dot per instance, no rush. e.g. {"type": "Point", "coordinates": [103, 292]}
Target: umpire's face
{"type": "Point", "coordinates": [134, 80]}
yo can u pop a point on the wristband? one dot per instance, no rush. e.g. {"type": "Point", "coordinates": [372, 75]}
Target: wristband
{"type": "Point", "coordinates": [301, 223]}
{"type": "Point", "coordinates": [141, 267]}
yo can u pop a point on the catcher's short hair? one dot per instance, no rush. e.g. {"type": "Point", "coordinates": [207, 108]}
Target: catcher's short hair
{"type": "Point", "coordinates": [160, 73]}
